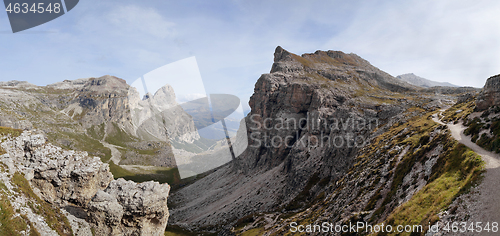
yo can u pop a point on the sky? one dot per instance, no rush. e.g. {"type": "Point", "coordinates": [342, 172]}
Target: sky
{"type": "Point", "coordinates": [233, 41]}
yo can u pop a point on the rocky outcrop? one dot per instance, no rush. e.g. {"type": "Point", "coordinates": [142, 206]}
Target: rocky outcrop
{"type": "Point", "coordinates": [127, 208]}
{"type": "Point", "coordinates": [72, 179]}
{"type": "Point", "coordinates": [104, 99]}
{"type": "Point", "coordinates": [296, 133]}
{"type": "Point", "coordinates": [62, 176]}
{"type": "Point", "coordinates": [490, 96]}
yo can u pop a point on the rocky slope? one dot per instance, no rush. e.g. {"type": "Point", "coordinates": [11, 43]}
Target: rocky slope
{"type": "Point", "coordinates": [331, 138]}
{"type": "Point", "coordinates": [35, 173]}
{"type": "Point", "coordinates": [301, 98]}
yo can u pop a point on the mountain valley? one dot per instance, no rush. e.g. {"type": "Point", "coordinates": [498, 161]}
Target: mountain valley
{"type": "Point", "coordinates": [331, 138]}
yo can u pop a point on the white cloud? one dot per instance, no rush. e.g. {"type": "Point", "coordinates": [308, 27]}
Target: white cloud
{"type": "Point", "coordinates": [134, 19]}
{"type": "Point", "coordinates": [455, 41]}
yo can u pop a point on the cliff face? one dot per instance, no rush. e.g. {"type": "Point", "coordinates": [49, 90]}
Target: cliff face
{"type": "Point", "coordinates": [331, 139]}
{"type": "Point", "coordinates": [310, 117]}
{"type": "Point", "coordinates": [103, 100]}
{"type": "Point", "coordinates": [84, 187]}
{"type": "Point", "coordinates": [490, 95]}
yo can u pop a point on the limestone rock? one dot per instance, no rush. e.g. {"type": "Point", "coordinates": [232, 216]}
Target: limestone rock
{"type": "Point", "coordinates": [60, 175]}
{"type": "Point", "coordinates": [127, 208]}
{"type": "Point", "coordinates": [73, 179]}
{"type": "Point", "coordinates": [490, 96]}
{"type": "Point", "coordinates": [290, 136]}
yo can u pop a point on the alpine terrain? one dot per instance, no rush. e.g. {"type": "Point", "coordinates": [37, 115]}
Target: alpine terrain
{"type": "Point", "coordinates": [330, 141]}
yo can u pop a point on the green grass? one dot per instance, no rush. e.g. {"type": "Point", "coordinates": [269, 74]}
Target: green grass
{"type": "Point", "coordinates": [453, 175]}
{"type": "Point", "coordinates": [11, 224]}
{"type": "Point", "coordinates": [53, 216]}
{"type": "Point", "coordinates": [82, 142]}
{"type": "Point", "coordinates": [5, 131]}
{"type": "Point", "coordinates": [119, 137]}
{"type": "Point", "coordinates": [174, 230]}
{"type": "Point", "coordinates": [11, 131]}
{"type": "Point", "coordinates": [452, 114]}
{"type": "Point", "coordinates": [96, 132]}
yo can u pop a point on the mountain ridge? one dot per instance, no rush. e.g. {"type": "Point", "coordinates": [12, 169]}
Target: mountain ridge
{"type": "Point", "coordinates": [421, 82]}
{"type": "Point", "coordinates": [330, 138]}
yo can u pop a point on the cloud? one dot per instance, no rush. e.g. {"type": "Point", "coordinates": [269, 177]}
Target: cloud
{"type": "Point", "coordinates": [134, 19]}
{"type": "Point", "coordinates": [234, 41]}
{"type": "Point", "coordinates": [453, 41]}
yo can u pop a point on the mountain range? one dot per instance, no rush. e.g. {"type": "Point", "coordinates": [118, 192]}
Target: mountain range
{"type": "Point", "coordinates": [331, 138]}
{"type": "Point", "coordinates": [419, 81]}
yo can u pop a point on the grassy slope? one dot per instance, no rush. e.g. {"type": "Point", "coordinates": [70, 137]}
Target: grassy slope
{"type": "Point", "coordinates": [6, 131]}
{"type": "Point", "coordinates": [456, 170]}
{"type": "Point", "coordinates": [53, 215]}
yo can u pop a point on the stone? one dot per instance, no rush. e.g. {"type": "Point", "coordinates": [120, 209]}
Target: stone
{"type": "Point", "coordinates": [490, 95]}
{"type": "Point", "coordinates": [68, 178]}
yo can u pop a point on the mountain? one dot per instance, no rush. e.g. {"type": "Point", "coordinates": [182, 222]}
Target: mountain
{"type": "Point", "coordinates": [419, 81]}
{"type": "Point", "coordinates": [329, 138]}
{"type": "Point", "coordinates": [46, 190]}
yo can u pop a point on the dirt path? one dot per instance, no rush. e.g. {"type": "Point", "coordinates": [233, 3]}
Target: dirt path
{"type": "Point", "coordinates": [116, 156]}
{"type": "Point", "coordinates": [487, 208]}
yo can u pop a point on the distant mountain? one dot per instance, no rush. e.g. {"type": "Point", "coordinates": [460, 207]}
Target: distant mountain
{"type": "Point", "coordinates": [419, 81]}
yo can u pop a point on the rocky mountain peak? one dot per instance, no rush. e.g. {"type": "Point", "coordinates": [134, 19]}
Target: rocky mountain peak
{"type": "Point", "coordinates": [422, 82]}
{"type": "Point", "coordinates": [69, 84]}
{"type": "Point", "coordinates": [17, 84]}
{"type": "Point", "coordinates": [281, 54]}
{"type": "Point", "coordinates": [106, 83]}
{"type": "Point", "coordinates": [336, 65]}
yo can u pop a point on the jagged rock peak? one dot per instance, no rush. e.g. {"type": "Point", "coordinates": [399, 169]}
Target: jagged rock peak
{"type": "Point", "coordinates": [281, 54]}
{"type": "Point", "coordinates": [67, 178]}
{"type": "Point", "coordinates": [490, 96]}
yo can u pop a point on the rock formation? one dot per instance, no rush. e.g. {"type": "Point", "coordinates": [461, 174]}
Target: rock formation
{"type": "Point", "coordinates": [128, 208]}
{"type": "Point", "coordinates": [72, 179]}
{"type": "Point", "coordinates": [490, 96]}
{"type": "Point", "coordinates": [291, 137]}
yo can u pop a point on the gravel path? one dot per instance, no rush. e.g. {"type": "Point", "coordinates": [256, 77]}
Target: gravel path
{"type": "Point", "coordinates": [483, 203]}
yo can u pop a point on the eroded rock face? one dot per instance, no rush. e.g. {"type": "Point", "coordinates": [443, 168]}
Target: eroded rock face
{"type": "Point", "coordinates": [127, 208]}
{"type": "Point", "coordinates": [104, 99]}
{"type": "Point", "coordinates": [71, 178]}
{"type": "Point", "coordinates": [61, 175]}
{"type": "Point", "coordinates": [305, 122]}
{"type": "Point", "coordinates": [490, 96]}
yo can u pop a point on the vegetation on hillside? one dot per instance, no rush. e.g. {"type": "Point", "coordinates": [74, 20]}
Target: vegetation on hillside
{"type": "Point", "coordinates": [402, 148]}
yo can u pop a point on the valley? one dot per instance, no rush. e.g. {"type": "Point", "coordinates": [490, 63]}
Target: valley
{"type": "Point", "coordinates": [409, 155]}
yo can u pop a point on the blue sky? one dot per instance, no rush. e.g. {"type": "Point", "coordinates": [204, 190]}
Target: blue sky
{"type": "Point", "coordinates": [234, 41]}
